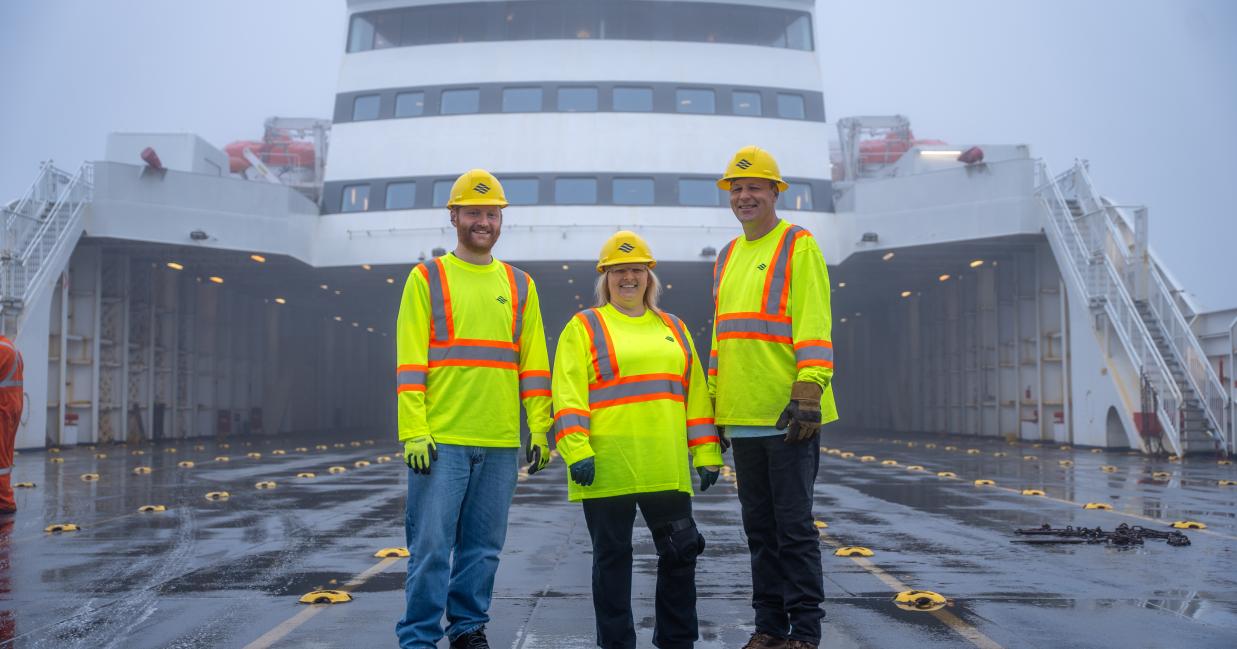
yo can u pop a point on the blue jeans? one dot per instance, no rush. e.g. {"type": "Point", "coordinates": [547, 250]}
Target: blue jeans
{"type": "Point", "coordinates": [459, 509]}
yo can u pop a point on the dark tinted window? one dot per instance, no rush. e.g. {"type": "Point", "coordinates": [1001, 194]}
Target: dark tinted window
{"type": "Point", "coordinates": [694, 191]}
{"type": "Point", "coordinates": [656, 20]}
{"type": "Point", "coordinates": [442, 192]}
{"type": "Point", "coordinates": [797, 197]}
{"type": "Point", "coordinates": [577, 99]}
{"type": "Point", "coordinates": [409, 104]}
{"type": "Point", "coordinates": [355, 198]}
{"type": "Point", "coordinates": [790, 106]}
{"type": "Point", "coordinates": [520, 191]}
{"type": "Point", "coordinates": [695, 100]}
{"type": "Point", "coordinates": [401, 196]}
{"type": "Point", "coordinates": [745, 102]}
{"type": "Point", "coordinates": [521, 100]}
{"type": "Point", "coordinates": [575, 191]}
{"type": "Point", "coordinates": [365, 107]}
{"type": "Point", "coordinates": [455, 102]}
{"type": "Point", "coordinates": [633, 191]}
{"type": "Point", "coordinates": [633, 99]}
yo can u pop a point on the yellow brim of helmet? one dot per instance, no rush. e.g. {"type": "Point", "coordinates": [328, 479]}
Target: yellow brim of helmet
{"type": "Point", "coordinates": [724, 183]}
{"type": "Point", "coordinates": [636, 260]}
{"type": "Point", "coordinates": [476, 201]}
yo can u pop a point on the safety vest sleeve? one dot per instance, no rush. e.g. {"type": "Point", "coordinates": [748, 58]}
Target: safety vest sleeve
{"type": "Point", "coordinates": [572, 373]}
{"type": "Point", "coordinates": [534, 365]}
{"type": "Point", "coordinates": [810, 319]}
{"type": "Point", "coordinates": [412, 355]}
{"type": "Point", "coordinates": [702, 437]}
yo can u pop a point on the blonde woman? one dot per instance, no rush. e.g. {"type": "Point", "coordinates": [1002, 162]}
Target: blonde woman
{"type": "Point", "coordinates": [630, 402]}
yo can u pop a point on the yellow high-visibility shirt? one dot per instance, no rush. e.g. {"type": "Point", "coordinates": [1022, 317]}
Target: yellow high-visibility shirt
{"type": "Point", "coordinates": [631, 392]}
{"type": "Point", "coordinates": [771, 327]}
{"type": "Point", "coordinates": [470, 346]}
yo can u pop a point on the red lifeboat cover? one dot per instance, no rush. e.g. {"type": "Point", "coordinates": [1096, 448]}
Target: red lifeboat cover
{"type": "Point", "coordinates": [236, 154]}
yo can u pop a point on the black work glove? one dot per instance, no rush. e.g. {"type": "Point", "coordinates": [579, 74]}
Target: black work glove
{"type": "Point", "coordinates": [802, 414]}
{"type": "Point", "coordinates": [583, 471]}
{"type": "Point", "coordinates": [708, 477]}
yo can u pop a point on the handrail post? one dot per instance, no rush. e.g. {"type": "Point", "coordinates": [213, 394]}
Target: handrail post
{"type": "Point", "coordinates": [1142, 258]}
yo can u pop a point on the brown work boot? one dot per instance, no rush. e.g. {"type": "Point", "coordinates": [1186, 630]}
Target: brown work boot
{"type": "Point", "coordinates": [762, 640]}
{"type": "Point", "coordinates": [799, 644]}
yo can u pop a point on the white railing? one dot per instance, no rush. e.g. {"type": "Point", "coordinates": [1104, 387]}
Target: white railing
{"type": "Point", "coordinates": [1201, 376]}
{"type": "Point", "coordinates": [1096, 278]}
{"type": "Point", "coordinates": [27, 211]}
{"type": "Point", "coordinates": [29, 264]}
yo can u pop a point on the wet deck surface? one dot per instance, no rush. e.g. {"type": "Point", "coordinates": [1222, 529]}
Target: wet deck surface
{"type": "Point", "coordinates": [228, 573]}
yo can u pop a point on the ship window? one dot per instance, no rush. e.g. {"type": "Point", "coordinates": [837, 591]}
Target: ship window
{"type": "Point", "coordinates": [442, 192]}
{"type": "Point", "coordinates": [580, 20]}
{"type": "Point", "coordinates": [456, 102]}
{"type": "Point", "coordinates": [401, 196]}
{"type": "Point", "coordinates": [695, 100]}
{"type": "Point", "coordinates": [745, 102]}
{"type": "Point", "coordinates": [361, 37]}
{"type": "Point", "coordinates": [799, 33]}
{"type": "Point", "coordinates": [633, 99]}
{"type": "Point", "coordinates": [575, 191]}
{"type": "Point", "coordinates": [520, 191]}
{"type": "Point", "coordinates": [521, 100]}
{"type": "Point", "coordinates": [797, 197]}
{"type": "Point", "coordinates": [790, 106]}
{"type": "Point", "coordinates": [577, 99]}
{"type": "Point", "coordinates": [356, 198]}
{"type": "Point", "coordinates": [386, 30]}
{"type": "Point", "coordinates": [409, 104]}
{"type": "Point", "coordinates": [365, 107]}
{"type": "Point", "coordinates": [699, 191]}
{"type": "Point", "coordinates": [633, 191]}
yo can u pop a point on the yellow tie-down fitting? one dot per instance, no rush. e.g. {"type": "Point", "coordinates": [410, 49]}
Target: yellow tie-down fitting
{"type": "Point", "coordinates": [920, 600]}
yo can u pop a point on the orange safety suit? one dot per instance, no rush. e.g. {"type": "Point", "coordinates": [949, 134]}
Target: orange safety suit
{"type": "Point", "coordinates": [10, 417]}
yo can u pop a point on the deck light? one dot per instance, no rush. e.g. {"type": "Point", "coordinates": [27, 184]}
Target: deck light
{"type": "Point", "coordinates": [944, 278]}
{"type": "Point", "coordinates": [977, 263]}
{"type": "Point", "coordinates": [323, 286]}
{"type": "Point", "coordinates": [355, 324]}
{"type": "Point", "coordinates": [887, 256]}
{"type": "Point", "coordinates": [216, 279]}
{"type": "Point", "coordinates": [390, 280]}
{"type": "Point", "coordinates": [339, 318]}
{"type": "Point", "coordinates": [175, 266]}
{"type": "Point", "coordinates": [258, 258]}
{"type": "Point", "coordinates": [951, 153]}
{"type": "Point", "coordinates": [280, 300]}
{"type": "Point", "coordinates": [366, 266]}
{"type": "Point", "coordinates": [906, 293]}
{"type": "Point", "coordinates": [841, 284]}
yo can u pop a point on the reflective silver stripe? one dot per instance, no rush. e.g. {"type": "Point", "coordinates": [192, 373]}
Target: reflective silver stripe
{"type": "Point", "coordinates": [10, 384]}
{"type": "Point", "coordinates": [719, 266]}
{"type": "Point", "coordinates": [814, 353]}
{"type": "Point", "coordinates": [779, 269]}
{"type": "Point", "coordinates": [638, 388]}
{"type": "Point", "coordinates": [472, 353]}
{"type": "Point", "coordinates": [6, 470]}
{"type": "Point", "coordinates": [521, 300]}
{"type": "Point", "coordinates": [438, 301]}
{"type": "Point", "coordinates": [754, 325]}
{"type": "Point", "coordinates": [713, 361]}
{"type": "Point", "coordinates": [605, 358]}
{"type": "Point", "coordinates": [18, 365]}
{"type": "Point", "coordinates": [700, 431]}
{"type": "Point", "coordinates": [528, 383]}
{"type": "Point", "coordinates": [410, 377]}
{"type": "Point", "coordinates": [569, 420]}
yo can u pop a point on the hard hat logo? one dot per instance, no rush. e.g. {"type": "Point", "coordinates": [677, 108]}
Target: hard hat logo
{"type": "Point", "coordinates": [477, 187]}
{"type": "Point", "coordinates": [743, 164]}
{"type": "Point", "coordinates": [626, 247]}
{"type": "Point", "coordinates": [752, 162]}
{"type": "Point", "coordinates": [481, 188]}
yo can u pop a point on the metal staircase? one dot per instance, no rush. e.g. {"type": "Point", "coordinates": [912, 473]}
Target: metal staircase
{"type": "Point", "coordinates": [40, 232]}
{"type": "Point", "coordinates": [1107, 259]}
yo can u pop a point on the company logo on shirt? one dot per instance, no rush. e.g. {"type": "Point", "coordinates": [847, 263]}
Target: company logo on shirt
{"type": "Point", "coordinates": [762, 267]}
{"type": "Point", "coordinates": [669, 338]}
{"type": "Point", "coordinates": [502, 300]}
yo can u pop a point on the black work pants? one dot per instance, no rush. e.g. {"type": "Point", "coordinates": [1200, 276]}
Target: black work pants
{"type": "Point", "coordinates": [776, 482]}
{"type": "Point", "coordinates": [610, 522]}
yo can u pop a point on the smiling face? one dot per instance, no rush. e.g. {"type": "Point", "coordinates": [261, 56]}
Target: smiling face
{"type": "Point", "coordinates": [627, 284]}
{"type": "Point", "coordinates": [477, 226]}
{"type": "Point", "coordinates": [753, 199]}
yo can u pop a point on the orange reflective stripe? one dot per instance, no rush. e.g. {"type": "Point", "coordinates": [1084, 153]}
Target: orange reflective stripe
{"type": "Point", "coordinates": [785, 295]}
{"type": "Point", "coordinates": [605, 364]}
{"type": "Point", "coordinates": [712, 362]}
{"type": "Point", "coordinates": [519, 282]}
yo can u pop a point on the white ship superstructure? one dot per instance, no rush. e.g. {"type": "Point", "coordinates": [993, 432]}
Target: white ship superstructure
{"type": "Point", "coordinates": [973, 291]}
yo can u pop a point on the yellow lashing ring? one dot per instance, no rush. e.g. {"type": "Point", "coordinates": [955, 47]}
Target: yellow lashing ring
{"type": "Point", "coordinates": [387, 553]}
{"type": "Point", "coordinates": [222, 458]}
{"type": "Point", "coordinates": [56, 460]}
{"type": "Point", "coordinates": [225, 445]}
{"type": "Point", "coordinates": [820, 525]}
{"type": "Point", "coordinates": [147, 509]}
{"type": "Point", "coordinates": [265, 484]}
{"type": "Point", "coordinates": [185, 464]}
{"type": "Point", "coordinates": [141, 470]}
{"type": "Point", "coordinates": [369, 442]}
{"type": "Point", "coordinates": [90, 477]}
{"type": "Point", "coordinates": [321, 447]}
{"type": "Point", "coordinates": [24, 485]}
{"type": "Point", "coordinates": [1103, 506]}
{"type": "Point", "coordinates": [1228, 483]}
{"type": "Point", "coordinates": [973, 451]}
{"type": "Point", "coordinates": [912, 444]}
{"type": "Point", "coordinates": [853, 551]}
{"type": "Point", "coordinates": [1108, 468]}
{"type": "Point", "coordinates": [834, 451]}
{"type": "Point", "coordinates": [1030, 458]}
{"type": "Point", "coordinates": [1065, 463]}
{"type": "Point", "coordinates": [199, 447]}
{"type": "Point", "coordinates": [914, 467]}
{"type": "Point", "coordinates": [951, 448]}
{"type": "Point", "coordinates": [325, 597]}
{"type": "Point", "coordinates": [382, 459]}
{"type": "Point", "coordinates": [100, 456]}
{"type": "Point", "coordinates": [354, 444]}
{"type": "Point", "coordinates": [61, 527]}
{"type": "Point", "coordinates": [1161, 475]}
{"type": "Point", "coordinates": [279, 451]}
{"type": "Point", "coordinates": [217, 495]}
{"type": "Point", "coordinates": [170, 449]}
{"type": "Point", "coordinates": [337, 469]}
{"type": "Point", "coordinates": [1097, 450]}
{"type": "Point", "coordinates": [1224, 462]}
{"type": "Point", "coordinates": [867, 458]}
{"type": "Point", "coordinates": [338, 445]}
{"type": "Point", "coordinates": [137, 452]}
{"type": "Point", "coordinates": [254, 456]}
{"type": "Point", "coordinates": [919, 600]}
{"type": "Point", "coordinates": [53, 450]}
{"type": "Point", "coordinates": [361, 464]}
{"type": "Point", "coordinates": [1033, 492]}
{"type": "Point", "coordinates": [985, 483]}
{"type": "Point", "coordinates": [1000, 454]}
{"type": "Point", "coordinates": [889, 463]}
{"type": "Point", "coordinates": [846, 455]}
{"type": "Point", "coordinates": [946, 474]}
{"type": "Point", "coordinates": [306, 474]}
{"type": "Point", "coordinates": [929, 445]}
{"type": "Point", "coordinates": [1066, 447]}
{"type": "Point", "coordinates": [1189, 525]}
{"type": "Point", "coordinates": [302, 449]}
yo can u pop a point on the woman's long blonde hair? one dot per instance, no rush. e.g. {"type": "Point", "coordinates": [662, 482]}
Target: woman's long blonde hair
{"type": "Point", "coordinates": [652, 292]}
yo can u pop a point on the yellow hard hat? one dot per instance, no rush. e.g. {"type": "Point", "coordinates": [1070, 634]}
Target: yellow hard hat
{"type": "Point", "coordinates": [477, 187]}
{"type": "Point", "coordinates": [625, 247]}
{"type": "Point", "coordinates": [752, 162]}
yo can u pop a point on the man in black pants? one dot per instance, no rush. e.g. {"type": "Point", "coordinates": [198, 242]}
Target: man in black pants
{"type": "Point", "coordinates": [771, 339]}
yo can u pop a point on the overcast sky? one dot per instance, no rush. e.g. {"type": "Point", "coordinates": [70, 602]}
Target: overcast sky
{"type": "Point", "coordinates": [1143, 89]}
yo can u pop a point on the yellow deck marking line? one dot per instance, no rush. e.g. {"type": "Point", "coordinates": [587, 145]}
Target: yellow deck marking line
{"type": "Point", "coordinates": [289, 625]}
{"type": "Point", "coordinates": [955, 623]}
